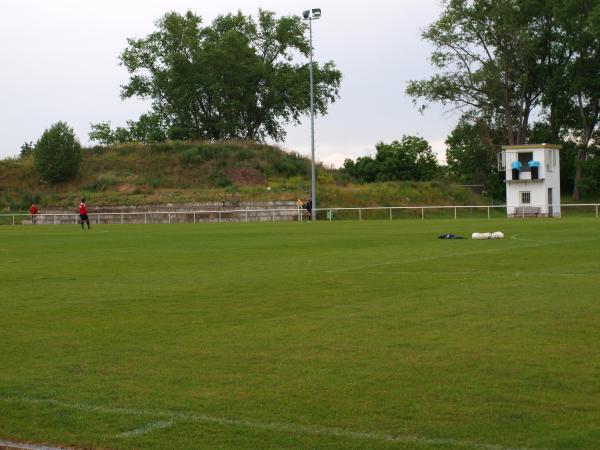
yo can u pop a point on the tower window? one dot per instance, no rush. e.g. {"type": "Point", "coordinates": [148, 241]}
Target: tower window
{"type": "Point", "coordinates": [524, 158]}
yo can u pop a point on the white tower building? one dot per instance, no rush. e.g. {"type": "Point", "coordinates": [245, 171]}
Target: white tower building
{"type": "Point", "coordinates": [532, 179]}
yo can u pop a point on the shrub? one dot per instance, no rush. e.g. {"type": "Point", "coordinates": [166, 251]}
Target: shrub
{"type": "Point", "coordinates": [198, 154]}
{"type": "Point", "coordinates": [289, 166]}
{"type": "Point", "coordinates": [57, 154]}
{"type": "Point", "coordinates": [160, 147]}
{"type": "Point", "coordinates": [155, 182]}
{"type": "Point", "coordinates": [100, 185]}
{"type": "Point", "coordinates": [27, 199]}
{"type": "Point", "coordinates": [218, 178]}
{"type": "Point", "coordinates": [244, 154]}
{"type": "Point", "coordinates": [587, 185]}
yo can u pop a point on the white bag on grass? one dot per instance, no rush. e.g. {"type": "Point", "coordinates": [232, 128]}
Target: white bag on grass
{"type": "Point", "coordinates": [483, 236]}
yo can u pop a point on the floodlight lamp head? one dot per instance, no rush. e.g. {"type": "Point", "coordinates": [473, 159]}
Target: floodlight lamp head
{"type": "Point", "coordinates": [311, 14]}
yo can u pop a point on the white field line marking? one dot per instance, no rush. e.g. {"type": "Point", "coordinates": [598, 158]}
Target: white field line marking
{"type": "Point", "coordinates": [449, 255]}
{"type": "Point", "coordinates": [22, 446]}
{"type": "Point", "coordinates": [517, 238]}
{"type": "Point", "coordinates": [147, 428]}
{"type": "Point", "coordinates": [280, 427]}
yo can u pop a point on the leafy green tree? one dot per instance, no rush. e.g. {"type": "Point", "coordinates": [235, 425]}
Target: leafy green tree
{"type": "Point", "coordinates": [471, 155]}
{"type": "Point", "coordinates": [146, 129]}
{"type": "Point", "coordinates": [57, 154]}
{"type": "Point", "coordinates": [583, 88]}
{"type": "Point", "coordinates": [365, 169]}
{"type": "Point", "coordinates": [489, 54]}
{"type": "Point", "coordinates": [499, 61]}
{"type": "Point", "coordinates": [233, 79]}
{"type": "Point", "coordinates": [26, 149]}
{"type": "Point", "coordinates": [571, 95]}
{"type": "Point", "coordinates": [411, 158]}
{"type": "Point", "coordinates": [104, 134]}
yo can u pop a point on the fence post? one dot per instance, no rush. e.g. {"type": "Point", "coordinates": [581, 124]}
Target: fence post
{"type": "Point", "coordinates": [169, 218]}
{"type": "Point", "coordinates": [145, 218]}
{"type": "Point", "coordinates": [488, 208]}
{"type": "Point", "coordinates": [596, 211]}
{"type": "Point", "coordinates": [422, 213]}
{"type": "Point", "coordinates": [359, 214]}
{"type": "Point", "coordinates": [273, 212]}
{"type": "Point", "coordinates": [13, 218]}
{"type": "Point", "coordinates": [246, 216]}
{"type": "Point", "coordinates": [455, 213]}
{"type": "Point", "coordinates": [390, 213]}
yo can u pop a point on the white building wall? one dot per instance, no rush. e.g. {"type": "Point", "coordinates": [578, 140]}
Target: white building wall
{"type": "Point", "coordinates": [548, 177]}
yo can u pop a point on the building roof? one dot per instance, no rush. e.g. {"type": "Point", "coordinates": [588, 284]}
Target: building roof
{"type": "Point", "coordinates": [531, 146]}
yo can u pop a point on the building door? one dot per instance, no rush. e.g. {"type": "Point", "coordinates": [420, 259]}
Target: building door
{"type": "Point", "coordinates": [550, 209]}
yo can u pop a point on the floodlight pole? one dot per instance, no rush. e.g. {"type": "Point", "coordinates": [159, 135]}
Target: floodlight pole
{"type": "Point", "coordinates": [311, 15]}
{"type": "Point", "coordinates": [313, 170]}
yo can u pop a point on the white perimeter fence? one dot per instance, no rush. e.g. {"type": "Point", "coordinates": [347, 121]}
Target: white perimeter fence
{"type": "Point", "coordinates": [292, 214]}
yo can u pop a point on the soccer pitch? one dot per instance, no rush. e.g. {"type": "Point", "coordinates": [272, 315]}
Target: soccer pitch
{"type": "Point", "coordinates": [321, 335]}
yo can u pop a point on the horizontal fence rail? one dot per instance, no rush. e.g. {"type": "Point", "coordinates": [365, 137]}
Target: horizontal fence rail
{"type": "Point", "coordinates": [161, 217]}
{"type": "Point", "coordinates": [456, 212]}
{"type": "Point", "coordinates": [297, 214]}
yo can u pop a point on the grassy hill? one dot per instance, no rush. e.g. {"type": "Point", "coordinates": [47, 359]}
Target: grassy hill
{"type": "Point", "coordinates": [179, 172]}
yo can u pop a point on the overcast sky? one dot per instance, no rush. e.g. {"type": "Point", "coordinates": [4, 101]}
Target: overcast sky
{"type": "Point", "coordinates": [60, 62]}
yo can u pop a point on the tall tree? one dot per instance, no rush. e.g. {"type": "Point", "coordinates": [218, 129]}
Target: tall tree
{"type": "Point", "coordinates": [233, 79]}
{"type": "Point", "coordinates": [504, 61]}
{"type": "Point", "coordinates": [583, 77]}
{"type": "Point", "coordinates": [572, 89]}
{"type": "Point", "coordinates": [488, 53]}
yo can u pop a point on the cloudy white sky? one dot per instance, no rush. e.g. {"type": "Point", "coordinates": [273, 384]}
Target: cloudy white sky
{"type": "Point", "coordinates": [60, 62]}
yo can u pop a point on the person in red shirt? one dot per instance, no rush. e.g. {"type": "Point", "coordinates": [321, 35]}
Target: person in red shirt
{"type": "Point", "coordinates": [83, 214]}
{"type": "Point", "coordinates": [33, 211]}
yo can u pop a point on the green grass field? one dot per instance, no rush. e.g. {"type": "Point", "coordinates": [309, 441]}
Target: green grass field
{"type": "Point", "coordinates": [300, 335]}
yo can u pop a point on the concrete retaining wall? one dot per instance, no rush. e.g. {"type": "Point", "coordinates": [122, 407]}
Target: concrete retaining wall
{"type": "Point", "coordinates": [177, 213]}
